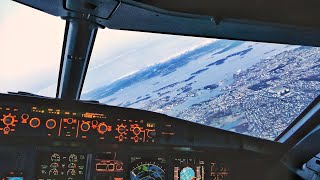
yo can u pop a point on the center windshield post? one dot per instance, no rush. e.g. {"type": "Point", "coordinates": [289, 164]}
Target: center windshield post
{"type": "Point", "coordinates": [79, 38]}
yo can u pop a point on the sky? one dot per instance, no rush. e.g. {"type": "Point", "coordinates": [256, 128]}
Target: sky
{"type": "Point", "coordinates": [31, 43]}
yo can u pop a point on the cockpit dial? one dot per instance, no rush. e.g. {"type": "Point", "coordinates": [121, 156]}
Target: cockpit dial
{"type": "Point", "coordinates": [147, 169]}
{"type": "Point", "coordinates": [73, 158]}
{"type": "Point", "coordinates": [55, 157]}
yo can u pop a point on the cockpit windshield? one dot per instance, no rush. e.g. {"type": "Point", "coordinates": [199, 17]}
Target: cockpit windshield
{"type": "Point", "coordinates": [250, 88]}
{"type": "Point", "coordinates": [30, 48]}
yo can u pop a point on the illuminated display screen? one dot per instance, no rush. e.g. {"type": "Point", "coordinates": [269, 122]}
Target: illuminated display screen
{"type": "Point", "coordinates": [109, 166]}
{"type": "Point", "coordinates": [147, 168]}
{"type": "Point", "coordinates": [188, 169]}
{"type": "Point", "coordinates": [14, 178]}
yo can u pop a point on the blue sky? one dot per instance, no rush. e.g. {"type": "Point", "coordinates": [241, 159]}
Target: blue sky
{"type": "Point", "coordinates": [30, 47]}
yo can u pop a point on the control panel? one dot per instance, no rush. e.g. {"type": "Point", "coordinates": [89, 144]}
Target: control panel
{"type": "Point", "coordinates": [67, 123]}
{"type": "Point", "coordinates": [52, 139]}
{"type": "Point", "coordinates": [160, 167]}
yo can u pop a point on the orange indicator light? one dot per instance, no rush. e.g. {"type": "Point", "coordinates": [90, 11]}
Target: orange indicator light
{"type": "Point", "coordinates": [51, 123]}
{"type": "Point", "coordinates": [34, 122]}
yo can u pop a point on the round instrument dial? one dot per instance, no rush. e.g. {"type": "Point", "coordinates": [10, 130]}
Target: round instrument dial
{"type": "Point", "coordinates": [51, 123]}
{"type": "Point", "coordinates": [71, 172]}
{"type": "Point", "coordinates": [85, 126]}
{"type": "Point", "coordinates": [102, 128]}
{"type": "Point", "coordinates": [54, 172]}
{"type": "Point", "coordinates": [55, 157]}
{"type": "Point", "coordinates": [34, 122]}
{"type": "Point", "coordinates": [187, 173]}
{"type": "Point", "coordinates": [54, 165]}
{"type": "Point", "coordinates": [136, 130]}
{"type": "Point", "coordinates": [8, 120]}
{"type": "Point", "coordinates": [148, 171]}
{"type": "Point", "coordinates": [121, 128]}
{"type": "Point", "coordinates": [73, 158]}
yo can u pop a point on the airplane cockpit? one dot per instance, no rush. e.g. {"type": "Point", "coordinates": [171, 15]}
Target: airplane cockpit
{"type": "Point", "coordinates": [159, 90]}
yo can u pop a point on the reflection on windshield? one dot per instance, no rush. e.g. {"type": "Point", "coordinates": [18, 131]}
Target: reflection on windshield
{"type": "Point", "coordinates": [250, 88]}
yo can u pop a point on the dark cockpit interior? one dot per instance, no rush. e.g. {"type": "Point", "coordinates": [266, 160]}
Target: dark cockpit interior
{"type": "Point", "coordinates": [70, 138]}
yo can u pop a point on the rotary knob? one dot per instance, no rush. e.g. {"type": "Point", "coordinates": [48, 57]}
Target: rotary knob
{"type": "Point", "coordinates": [136, 130]}
{"type": "Point", "coordinates": [102, 128]}
{"type": "Point", "coordinates": [121, 129]}
{"type": "Point", "coordinates": [24, 118]}
{"type": "Point", "coordinates": [85, 126]}
{"type": "Point", "coordinates": [69, 120]}
{"type": "Point", "coordinates": [51, 123]}
{"type": "Point", "coordinates": [34, 122]}
{"type": "Point", "coordinates": [8, 120]}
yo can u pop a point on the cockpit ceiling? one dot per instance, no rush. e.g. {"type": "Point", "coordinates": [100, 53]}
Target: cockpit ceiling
{"type": "Point", "coordinates": [294, 12]}
{"type": "Point", "coordinates": [265, 21]}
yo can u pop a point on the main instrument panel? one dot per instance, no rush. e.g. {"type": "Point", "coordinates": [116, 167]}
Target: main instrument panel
{"type": "Point", "coordinates": [52, 139]}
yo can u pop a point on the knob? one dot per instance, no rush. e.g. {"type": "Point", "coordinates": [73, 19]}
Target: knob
{"type": "Point", "coordinates": [85, 126]}
{"type": "Point", "coordinates": [69, 120]}
{"type": "Point", "coordinates": [6, 130]}
{"type": "Point", "coordinates": [8, 120]}
{"type": "Point", "coordinates": [51, 123]}
{"type": "Point", "coordinates": [151, 133]}
{"type": "Point", "coordinates": [24, 118]}
{"type": "Point", "coordinates": [136, 130]}
{"type": "Point", "coordinates": [102, 128]}
{"type": "Point", "coordinates": [34, 122]}
{"type": "Point", "coordinates": [94, 124]}
{"type": "Point", "coordinates": [121, 129]}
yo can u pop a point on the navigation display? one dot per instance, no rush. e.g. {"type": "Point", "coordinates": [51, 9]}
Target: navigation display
{"type": "Point", "coordinates": [147, 168]}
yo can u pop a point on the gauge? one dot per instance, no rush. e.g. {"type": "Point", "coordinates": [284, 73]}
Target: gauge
{"type": "Point", "coordinates": [147, 171]}
{"type": "Point", "coordinates": [54, 165]}
{"type": "Point", "coordinates": [73, 158]}
{"type": "Point", "coordinates": [71, 172]}
{"type": "Point", "coordinates": [55, 157]}
{"type": "Point", "coordinates": [187, 173]}
{"type": "Point", "coordinates": [72, 166]}
{"type": "Point", "coordinates": [54, 172]}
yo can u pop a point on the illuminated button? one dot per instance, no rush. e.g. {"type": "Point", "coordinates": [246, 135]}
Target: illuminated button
{"type": "Point", "coordinates": [121, 129]}
{"type": "Point", "coordinates": [85, 126]}
{"type": "Point", "coordinates": [119, 167]}
{"type": "Point", "coordinates": [34, 122]}
{"type": "Point", "coordinates": [51, 123]}
{"type": "Point", "coordinates": [94, 124]}
{"type": "Point", "coordinates": [24, 118]}
{"type": "Point", "coordinates": [6, 130]}
{"type": "Point", "coordinates": [136, 130]}
{"type": "Point", "coordinates": [136, 139]}
{"type": "Point", "coordinates": [102, 128]}
{"type": "Point", "coordinates": [121, 138]}
{"type": "Point", "coordinates": [69, 120]}
{"type": "Point", "coordinates": [8, 120]}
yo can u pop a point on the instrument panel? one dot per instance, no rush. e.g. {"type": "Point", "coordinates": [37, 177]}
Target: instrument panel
{"type": "Point", "coordinates": [110, 166]}
{"type": "Point", "coordinates": [52, 139]}
{"type": "Point", "coordinates": [59, 123]}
